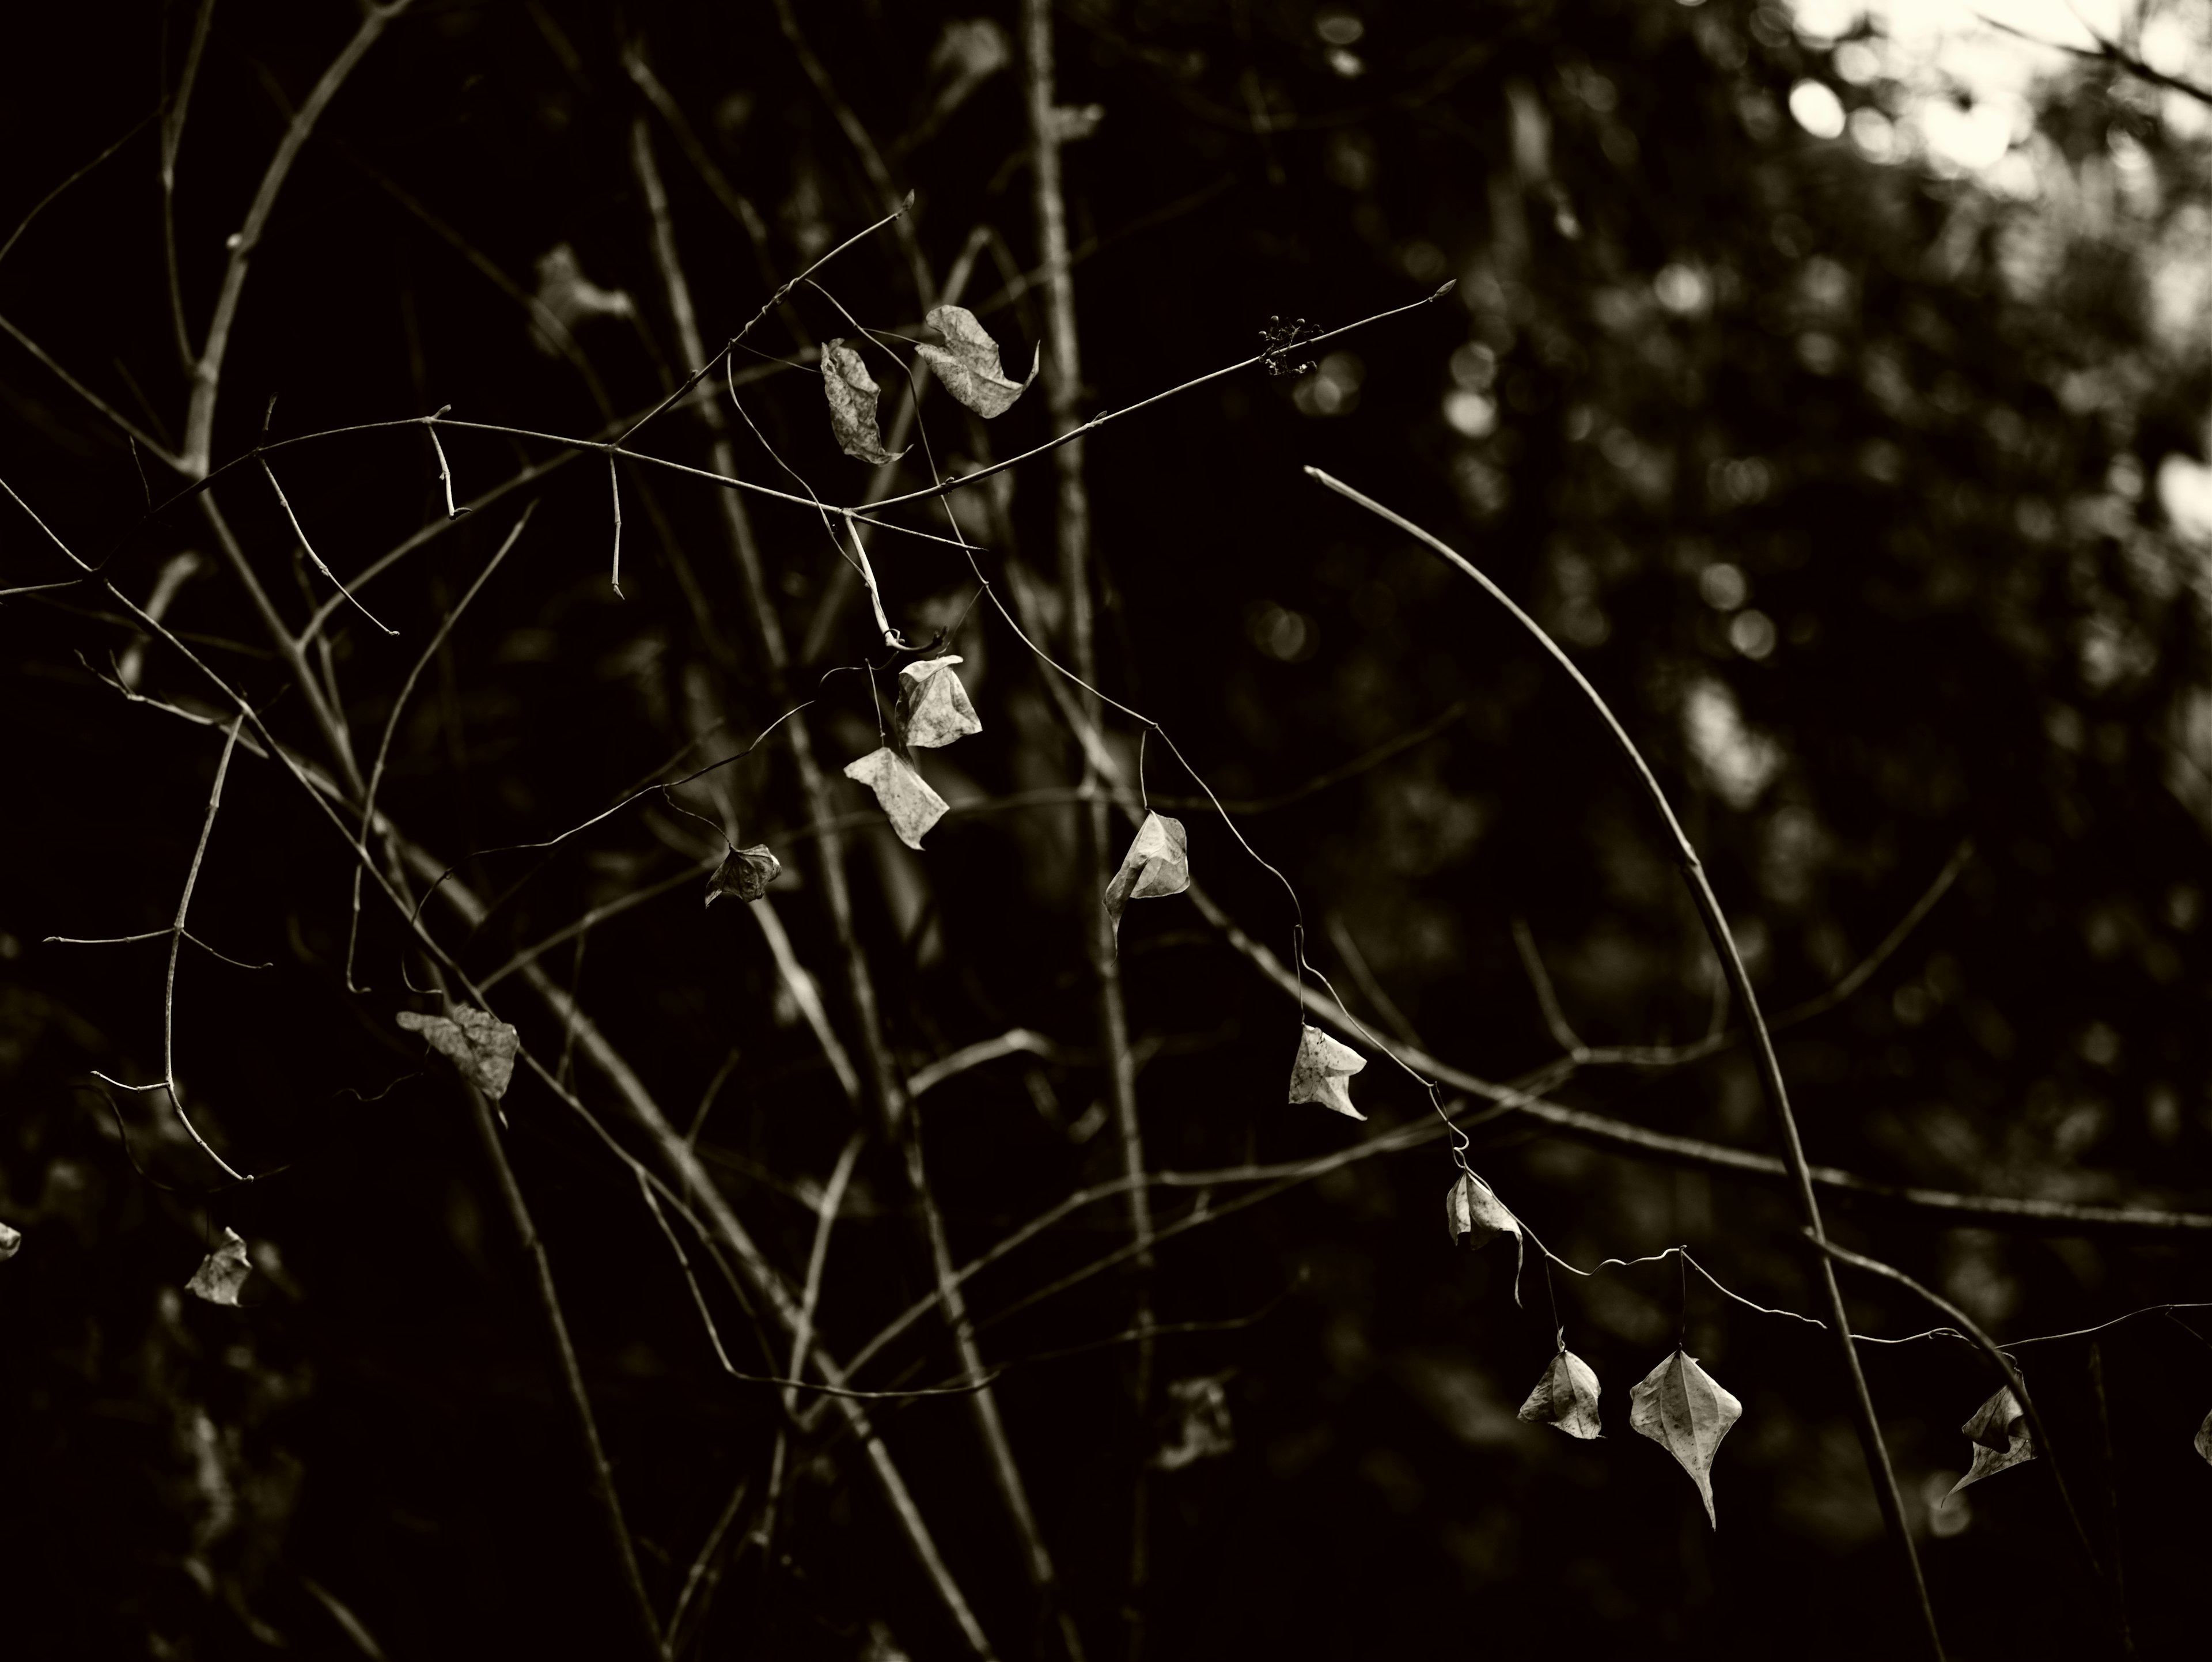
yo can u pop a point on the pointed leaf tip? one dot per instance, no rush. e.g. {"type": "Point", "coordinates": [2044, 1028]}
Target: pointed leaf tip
{"type": "Point", "coordinates": [853, 396]}
{"type": "Point", "coordinates": [481, 1046]}
{"type": "Point", "coordinates": [1565, 1397]}
{"type": "Point", "coordinates": [745, 873]}
{"type": "Point", "coordinates": [222, 1272]}
{"type": "Point", "coordinates": [1319, 1070]}
{"type": "Point", "coordinates": [933, 707]}
{"type": "Point", "coordinates": [1156, 864]}
{"type": "Point", "coordinates": [1686, 1411]}
{"type": "Point", "coordinates": [2002, 1440]}
{"type": "Point", "coordinates": [1476, 1217]}
{"type": "Point", "coordinates": [904, 795]}
{"type": "Point", "coordinates": [969, 365]}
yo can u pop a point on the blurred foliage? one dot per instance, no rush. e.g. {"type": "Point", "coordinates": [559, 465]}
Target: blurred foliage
{"type": "Point", "coordinates": [1874, 497]}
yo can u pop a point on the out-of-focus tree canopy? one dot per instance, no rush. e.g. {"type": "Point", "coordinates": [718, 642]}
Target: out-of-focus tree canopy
{"type": "Point", "coordinates": [1874, 494]}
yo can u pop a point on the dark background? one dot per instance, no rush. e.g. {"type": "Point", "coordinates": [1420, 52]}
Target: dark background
{"type": "Point", "coordinates": [1838, 478]}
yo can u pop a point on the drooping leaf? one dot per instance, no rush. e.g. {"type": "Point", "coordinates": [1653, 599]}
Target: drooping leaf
{"type": "Point", "coordinates": [969, 364]}
{"type": "Point", "coordinates": [903, 793]}
{"type": "Point", "coordinates": [222, 1272]}
{"type": "Point", "coordinates": [1202, 1430]}
{"type": "Point", "coordinates": [478, 1042]}
{"type": "Point", "coordinates": [11, 1242]}
{"type": "Point", "coordinates": [2002, 1440]}
{"type": "Point", "coordinates": [1156, 864]}
{"type": "Point", "coordinates": [745, 873]}
{"type": "Point", "coordinates": [1566, 1396]}
{"type": "Point", "coordinates": [853, 395]}
{"type": "Point", "coordinates": [1685, 1410]}
{"type": "Point", "coordinates": [1319, 1070]}
{"type": "Point", "coordinates": [1991, 1425]}
{"type": "Point", "coordinates": [2204, 1443]}
{"type": "Point", "coordinates": [933, 703]}
{"type": "Point", "coordinates": [1476, 1217]}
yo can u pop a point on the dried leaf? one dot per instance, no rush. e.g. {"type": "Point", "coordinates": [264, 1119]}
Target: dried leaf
{"type": "Point", "coordinates": [222, 1272]}
{"type": "Point", "coordinates": [902, 793]}
{"type": "Point", "coordinates": [1566, 1396]}
{"type": "Point", "coordinates": [745, 873]}
{"type": "Point", "coordinates": [969, 365]}
{"type": "Point", "coordinates": [11, 1242]}
{"type": "Point", "coordinates": [1993, 1421]}
{"type": "Point", "coordinates": [2002, 1440]}
{"type": "Point", "coordinates": [1319, 1072]}
{"type": "Point", "coordinates": [571, 298]}
{"type": "Point", "coordinates": [1476, 1217]}
{"type": "Point", "coordinates": [1156, 864]}
{"type": "Point", "coordinates": [1685, 1410]}
{"type": "Point", "coordinates": [1203, 1430]}
{"type": "Point", "coordinates": [479, 1043]}
{"type": "Point", "coordinates": [853, 395]}
{"type": "Point", "coordinates": [933, 703]}
{"type": "Point", "coordinates": [2204, 1437]}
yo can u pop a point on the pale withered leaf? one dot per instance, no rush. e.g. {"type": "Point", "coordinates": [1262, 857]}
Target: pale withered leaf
{"type": "Point", "coordinates": [933, 703]}
{"type": "Point", "coordinates": [745, 873]}
{"type": "Point", "coordinates": [2002, 1440]}
{"type": "Point", "coordinates": [1319, 1072]}
{"type": "Point", "coordinates": [853, 393]}
{"type": "Point", "coordinates": [11, 1242]}
{"type": "Point", "coordinates": [480, 1044]}
{"type": "Point", "coordinates": [1566, 1396]}
{"type": "Point", "coordinates": [1156, 864]}
{"type": "Point", "coordinates": [2204, 1437]}
{"type": "Point", "coordinates": [968, 363]}
{"type": "Point", "coordinates": [1685, 1410]}
{"type": "Point", "coordinates": [1476, 1217]}
{"type": "Point", "coordinates": [222, 1272]}
{"type": "Point", "coordinates": [903, 795]}
{"type": "Point", "coordinates": [1202, 1430]}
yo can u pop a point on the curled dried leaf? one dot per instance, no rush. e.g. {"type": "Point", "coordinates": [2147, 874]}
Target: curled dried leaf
{"type": "Point", "coordinates": [745, 873]}
{"type": "Point", "coordinates": [969, 364]}
{"type": "Point", "coordinates": [853, 396]}
{"type": "Point", "coordinates": [480, 1044]}
{"type": "Point", "coordinates": [1203, 1430]}
{"type": "Point", "coordinates": [1319, 1070]}
{"type": "Point", "coordinates": [1156, 864]}
{"type": "Point", "coordinates": [1476, 1217]}
{"type": "Point", "coordinates": [2204, 1443]}
{"type": "Point", "coordinates": [933, 704]}
{"type": "Point", "coordinates": [222, 1272]}
{"type": "Point", "coordinates": [11, 1242]}
{"type": "Point", "coordinates": [903, 795]}
{"type": "Point", "coordinates": [1566, 1396]}
{"type": "Point", "coordinates": [2002, 1440]}
{"type": "Point", "coordinates": [1685, 1410]}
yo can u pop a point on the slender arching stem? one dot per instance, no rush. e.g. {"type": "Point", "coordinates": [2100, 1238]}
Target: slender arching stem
{"type": "Point", "coordinates": [1887, 1493]}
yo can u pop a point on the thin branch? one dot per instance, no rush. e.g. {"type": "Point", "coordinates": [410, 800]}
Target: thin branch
{"type": "Point", "coordinates": [207, 373]}
{"type": "Point", "coordinates": [961, 481]}
{"type": "Point", "coordinates": [1547, 998]}
{"type": "Point", "coordinates": [572, 1375]}
{"type": "Point", "coordinates": [174, 108]}
{"type": "Point", "coordinates": [123, 422]}
{"type": "Point", "coordinates": [1870, 1425]}
{"type": "Point", "coordinates": [2002, 1364]}
{"type": "Point", "coordinates": [47, 200]}
{"type": "Point", "coordinates": [176, 933]}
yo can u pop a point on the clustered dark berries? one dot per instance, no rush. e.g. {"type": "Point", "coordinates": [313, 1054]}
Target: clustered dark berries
{"type": "Point", "coordinates": [1278, 338]}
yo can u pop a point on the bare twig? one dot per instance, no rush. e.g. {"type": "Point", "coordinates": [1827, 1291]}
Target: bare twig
{"type": "Point", "coordinates": [207, 371]}
{"type": "Point", "coordinates": [176, 933]}
{"type": "Point", "coordinates": [1064, 388]}
{"type": "Point", "coordinates": [1870, 1425]}
{"type": "Point", "coordinates": [572, 1375]}
{"type": "Point", "coordinates": [1997, 1360]}
{"type": "Point", "coordinates": [47, 200]}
